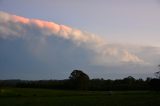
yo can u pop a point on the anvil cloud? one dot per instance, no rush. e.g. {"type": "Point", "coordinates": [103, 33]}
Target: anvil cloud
{"type": "Point", "coordinates": [13, 26]}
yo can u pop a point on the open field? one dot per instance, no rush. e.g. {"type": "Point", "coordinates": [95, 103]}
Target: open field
{"type": "Point", "coordinates": [44, 97]}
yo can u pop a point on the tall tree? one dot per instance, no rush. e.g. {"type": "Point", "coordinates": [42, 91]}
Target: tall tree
{"type": "Point", "coordinates": [157, 74]}
{"type": "Point", "coordinates": [79, 80]}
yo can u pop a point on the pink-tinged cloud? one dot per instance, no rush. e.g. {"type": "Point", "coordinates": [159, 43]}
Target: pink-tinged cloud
{"type": "Point", "coordinates": [19, 19]}
{"type": "Point", "coordinates": [12, 26]}
{"type": "Point", "coordinates": [127, 57]}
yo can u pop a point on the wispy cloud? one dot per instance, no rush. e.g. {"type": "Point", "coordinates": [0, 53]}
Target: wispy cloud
{"type": "Point", "coordinates": [13, 26]}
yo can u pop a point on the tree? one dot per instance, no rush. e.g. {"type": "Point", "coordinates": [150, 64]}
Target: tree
{"type": "Point", "coordinates": [155, 82]}
{"type": "Point", "coordinates": [129, 80]}
{"type": "Point", "coordinates": [157, 74]}
{"type": "Point", "coordinates": [79, 80]}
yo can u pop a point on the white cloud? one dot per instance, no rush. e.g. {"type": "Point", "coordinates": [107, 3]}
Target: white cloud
{"type": "Point", "coordinates": [12, 26]}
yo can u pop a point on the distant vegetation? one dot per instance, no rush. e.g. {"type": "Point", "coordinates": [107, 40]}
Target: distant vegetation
{"type": "Point", "coordinates": [80, 90]}
{"type": "Point", "coordinates": [78, 80]}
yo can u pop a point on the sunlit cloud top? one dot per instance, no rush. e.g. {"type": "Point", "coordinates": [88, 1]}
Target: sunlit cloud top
{"type": "Point", "coordinates": [20, 27]}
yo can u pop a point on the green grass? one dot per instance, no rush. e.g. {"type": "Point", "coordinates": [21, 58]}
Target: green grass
{"type": "Point", "coordinates": [44, 97]}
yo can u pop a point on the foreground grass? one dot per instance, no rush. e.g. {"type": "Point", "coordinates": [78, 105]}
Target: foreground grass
{"type": "Point", "coordinates": [44, 97]}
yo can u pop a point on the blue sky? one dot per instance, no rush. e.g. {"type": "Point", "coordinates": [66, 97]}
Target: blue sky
{"type": "Point", "coordinates": [119, 21]}
{"type": "Point", "coordinates": [130, 28]}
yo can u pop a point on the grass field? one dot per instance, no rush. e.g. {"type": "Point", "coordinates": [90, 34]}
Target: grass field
{"type": "Point", "coordinates": [44, 97]}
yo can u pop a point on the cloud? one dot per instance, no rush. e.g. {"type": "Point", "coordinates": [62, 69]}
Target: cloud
{"type": "Point", "coordinates": [13, 26]}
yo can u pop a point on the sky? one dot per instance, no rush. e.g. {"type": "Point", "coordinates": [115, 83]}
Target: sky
{"type": "Point", "coordinates": [107, 39]}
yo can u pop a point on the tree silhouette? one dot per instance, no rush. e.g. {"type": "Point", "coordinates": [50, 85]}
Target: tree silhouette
{"type": "Point", "coordinates": [157, 74]}
{"type": "Point", "coordinates": [155, 82]}
{"type": "Point", "coordinates": [79, 80]}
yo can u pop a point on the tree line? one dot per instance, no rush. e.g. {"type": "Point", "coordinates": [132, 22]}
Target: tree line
{"type": "Point", "coordinates": [78, 80]}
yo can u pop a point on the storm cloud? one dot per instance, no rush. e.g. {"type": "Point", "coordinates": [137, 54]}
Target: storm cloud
{"type": "Point", "coordinates": [17, 27]}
